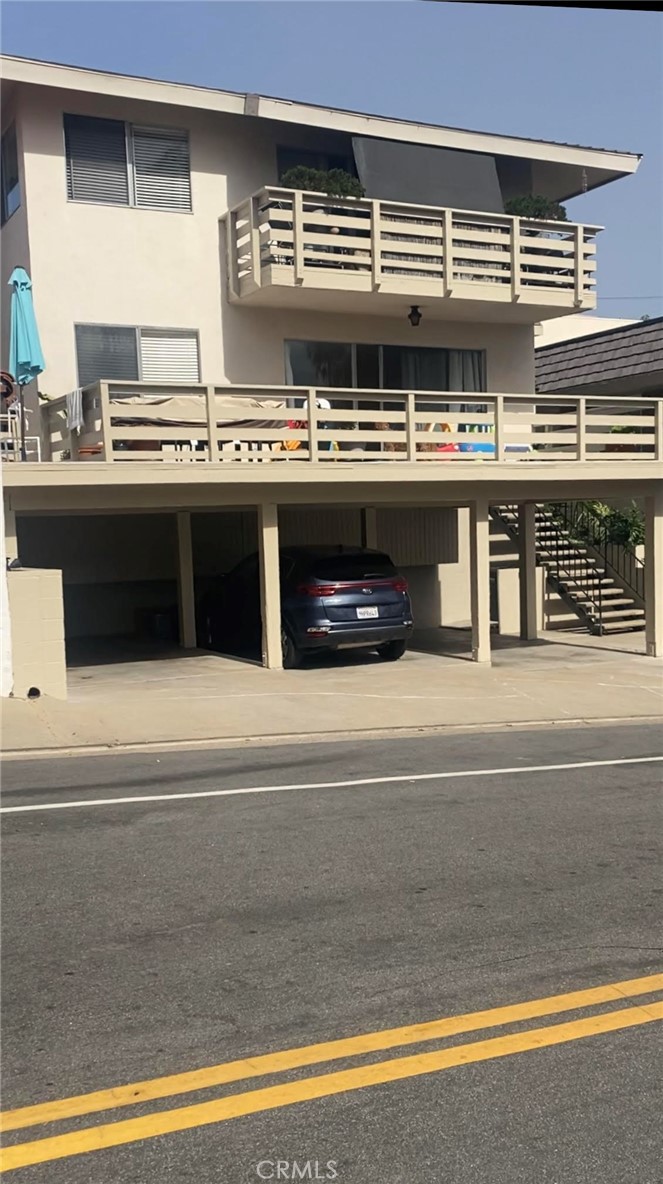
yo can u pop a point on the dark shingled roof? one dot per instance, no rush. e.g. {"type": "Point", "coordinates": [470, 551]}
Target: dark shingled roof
{"type": "Point", "coordinates": [621, 353]}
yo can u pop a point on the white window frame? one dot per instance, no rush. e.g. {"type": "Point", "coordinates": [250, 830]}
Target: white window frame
{"type": "Point", "coordinates": [138, 329]}
{"type": "Point", "coordinates": [131, 168]}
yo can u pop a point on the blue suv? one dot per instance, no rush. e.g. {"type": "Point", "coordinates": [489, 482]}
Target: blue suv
{"type": "Point", "coordinates": [332, 598]}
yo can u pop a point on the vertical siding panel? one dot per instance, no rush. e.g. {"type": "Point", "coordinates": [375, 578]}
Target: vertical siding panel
{"type": "Point", "coordinates": [419, 536]}
{"type": "Point", "coordinates": [317, 525]}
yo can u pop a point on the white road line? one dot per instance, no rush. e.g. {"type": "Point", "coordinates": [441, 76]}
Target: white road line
{"type": "Point", "coordinates": [403, 780]}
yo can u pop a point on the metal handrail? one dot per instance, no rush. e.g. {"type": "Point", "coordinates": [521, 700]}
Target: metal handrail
{"type": "Point", "coordinates": [581, 519]}
{"type": "Point", "coordinates": [566, 569]}
{"type": "Point", "coordinates": [567, 573]}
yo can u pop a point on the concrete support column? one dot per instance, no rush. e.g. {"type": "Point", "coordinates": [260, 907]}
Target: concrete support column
{"type": "Point", "coordinates": [654, 575]}
{"type": "Point", "coordinates": [185, 585]}
{"type": "Point", "coordinates": [529, 598]}
{"type": "Point", "coordinates": [480, 580]}
{"type": "Point", "coordinates": [455, 577]}
{"type": "Point", "coordinates": [369, 528]}
{"type": "Point", "coordinates": [270, 586]}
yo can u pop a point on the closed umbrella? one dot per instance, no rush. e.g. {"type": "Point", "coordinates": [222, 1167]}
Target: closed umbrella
{"type": "Point", "coordinates": [26, 361]}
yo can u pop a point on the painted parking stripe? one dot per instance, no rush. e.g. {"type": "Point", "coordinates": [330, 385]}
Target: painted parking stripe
{"type": "Point", "coordinates": [133, 1130]}
{"type": "Point", "coordinates": [332, 1050]}
{"type": "Point", "coordinates": [404, 779]}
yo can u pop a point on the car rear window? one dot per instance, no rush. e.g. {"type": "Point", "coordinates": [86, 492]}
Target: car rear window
{"type": "Point", "coordinates": [353, 567]}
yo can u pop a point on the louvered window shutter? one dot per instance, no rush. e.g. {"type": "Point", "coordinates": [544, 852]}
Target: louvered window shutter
{"type": "Point", "coordinates": [162, 178]}
{"type": "Point", "coordinates": [169, 356]}
{"type": "Point", "coordinates": [106, 351]}
{"type": "Point", "coordinates": [96, 160]}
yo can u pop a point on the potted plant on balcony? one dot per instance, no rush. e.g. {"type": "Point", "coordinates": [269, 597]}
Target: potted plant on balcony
{"type": "Point", "coordinates": [332, 182]}
{"type": "Point", "coordinates": [539, 209]}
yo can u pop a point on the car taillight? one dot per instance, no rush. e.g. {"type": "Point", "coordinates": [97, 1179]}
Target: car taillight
{"type": "Point", "coordinates": [399, 585]}
{"type": "Point", "coordinates": [317, 590]}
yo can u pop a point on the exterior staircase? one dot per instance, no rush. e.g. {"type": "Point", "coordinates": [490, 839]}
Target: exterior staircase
{"type": "Point", "coordinates": [602, 603]}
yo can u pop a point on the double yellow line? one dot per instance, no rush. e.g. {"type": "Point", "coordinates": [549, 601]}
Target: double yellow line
{"type": "Point", "coordinates": [131, 1130]}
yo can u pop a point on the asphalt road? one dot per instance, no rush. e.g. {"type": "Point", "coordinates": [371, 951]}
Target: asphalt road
{"type": "Point", "coordinates": [154, 937]}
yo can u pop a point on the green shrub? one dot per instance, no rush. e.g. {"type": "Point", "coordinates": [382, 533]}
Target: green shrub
{"type": "Point", "coordinates": [335, 182]}
{"type": "Point", "coordinates": [606, 524]}
{"type": "Point", "coordinates": [536, 207]}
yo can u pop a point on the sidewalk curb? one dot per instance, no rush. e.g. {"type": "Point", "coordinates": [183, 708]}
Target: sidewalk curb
{"type": "Point", "coordinates": [148, 746]}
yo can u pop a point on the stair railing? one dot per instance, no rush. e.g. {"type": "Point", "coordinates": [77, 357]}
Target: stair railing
{"type": "Point", "coordinates": [567, 569]}
{"type": "Point", "coordinates": [586, 525]}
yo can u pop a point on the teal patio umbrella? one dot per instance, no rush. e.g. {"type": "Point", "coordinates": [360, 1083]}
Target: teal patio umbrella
{"type": "Point", "coordinates": [26, 361]}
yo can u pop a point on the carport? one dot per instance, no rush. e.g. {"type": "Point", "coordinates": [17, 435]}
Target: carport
{"type": "Point", "coordinates": [373, 504]}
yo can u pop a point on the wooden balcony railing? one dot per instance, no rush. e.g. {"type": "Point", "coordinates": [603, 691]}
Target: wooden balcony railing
{"type": "Point", "coordinates": [281, 236]}
{"type": "Point", "coordinates": [136, 422]}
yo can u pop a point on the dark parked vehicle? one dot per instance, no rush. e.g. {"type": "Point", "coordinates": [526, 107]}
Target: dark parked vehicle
{"type": "Point", "coordinates": [331, 598]}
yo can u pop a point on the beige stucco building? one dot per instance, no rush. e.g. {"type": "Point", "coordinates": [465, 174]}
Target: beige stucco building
{"type": "Point", "coordinates": [169, 263]}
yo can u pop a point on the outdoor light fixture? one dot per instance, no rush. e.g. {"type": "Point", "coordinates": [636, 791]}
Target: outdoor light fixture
{"type": "Point", "coordinates": [414, 316]}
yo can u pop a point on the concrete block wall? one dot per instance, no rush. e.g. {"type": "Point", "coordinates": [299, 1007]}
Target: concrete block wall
{"type": "Point", "coordinates": [36, 611]}
{"type": "Point", "coordinates": [508, 601]}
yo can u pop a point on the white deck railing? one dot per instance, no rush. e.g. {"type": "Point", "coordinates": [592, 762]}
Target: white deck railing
{"type": "Point", "coordinates": [288, 237]}
{"type": "Point", "coordinates": [137, 422]}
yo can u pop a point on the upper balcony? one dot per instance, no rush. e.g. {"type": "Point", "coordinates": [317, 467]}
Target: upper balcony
{"type": "Point", "coordinates": [288, 248]}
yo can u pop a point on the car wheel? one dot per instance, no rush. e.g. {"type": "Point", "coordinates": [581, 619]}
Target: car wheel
{"type": "Point", "coordinates": [391, 651]}
{"type": "Point", "coordinates": [291, 655]}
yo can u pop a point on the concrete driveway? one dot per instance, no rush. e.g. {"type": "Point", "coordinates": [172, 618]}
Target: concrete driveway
{"type": "Point", "coordinates": [163, 696]}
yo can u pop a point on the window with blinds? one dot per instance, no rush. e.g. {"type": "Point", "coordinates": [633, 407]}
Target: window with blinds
{"type": "Point", "coordinates": [106, 351]}
{"type": "Point", "coordinates": [169, 356]}
{"type": "Point", "coordinates": [162, 178]}
{"type": "Point", "coordinates": [129, 354]}
{"type": "Point", "coordinates": [96, 160]}
{"type": "Point", "coordinates": [114, 163]}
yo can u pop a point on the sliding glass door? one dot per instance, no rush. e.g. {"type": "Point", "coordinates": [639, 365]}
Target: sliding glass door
{"type": "Point", "coordinates": [384, 367]}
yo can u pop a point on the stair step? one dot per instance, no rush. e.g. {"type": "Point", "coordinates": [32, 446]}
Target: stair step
{"type": "Point", "coordinates": [618, 627]}
{"type": "Point", "coordinates": [562, 557]}
{"type": "Point", "coordinates": [616, 602]}
{"type": "Point", "coordinates": [623, 614]}
{"type": "Point", "coordinates": [564, 548]}
{"type": "Point", "coordinates": [588, 579]}
{"type": "Point", "coordinates": [589, 571]}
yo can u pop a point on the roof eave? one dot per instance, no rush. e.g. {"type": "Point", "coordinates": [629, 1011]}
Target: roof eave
{"type": "Point", "coordinates": [36, 73]}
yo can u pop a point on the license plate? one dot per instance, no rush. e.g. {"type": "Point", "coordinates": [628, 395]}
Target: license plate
{"type": "Point", "coordinates": [370, 611]}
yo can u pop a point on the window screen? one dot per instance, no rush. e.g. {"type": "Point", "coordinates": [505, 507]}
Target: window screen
{"type": "Point", "coordinates": [106, 351]}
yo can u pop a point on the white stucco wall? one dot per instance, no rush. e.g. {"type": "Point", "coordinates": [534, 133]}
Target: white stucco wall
{"type": "Point", "coordinates": [119, 265]}
{"type": "Point", "coordinates": [579, 325]}
{"type": "Point", "coordinates": [254, 349]}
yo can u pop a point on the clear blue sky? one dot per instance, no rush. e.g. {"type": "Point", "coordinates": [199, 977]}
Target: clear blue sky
{"type": "Point", "coordinates": [582, 76]}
